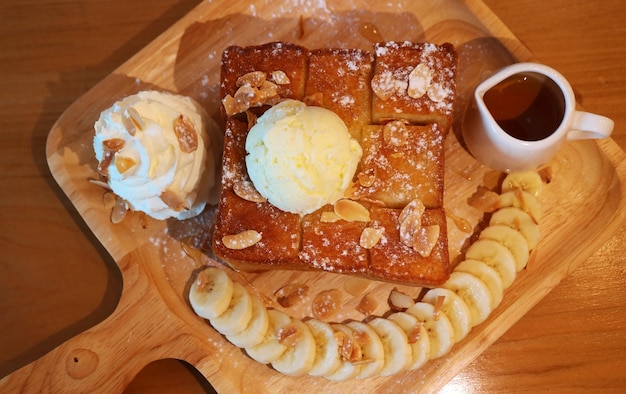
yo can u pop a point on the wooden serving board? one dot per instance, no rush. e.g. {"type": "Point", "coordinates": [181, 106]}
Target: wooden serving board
{"type": "Point", "coordinates": [583, 205]}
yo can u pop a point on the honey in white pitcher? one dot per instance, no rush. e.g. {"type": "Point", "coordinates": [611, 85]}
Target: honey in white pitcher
{"type": "Point", "coordinates": [528, 106]}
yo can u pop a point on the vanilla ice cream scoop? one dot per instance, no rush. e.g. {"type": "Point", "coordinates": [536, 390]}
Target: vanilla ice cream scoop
{"type": "Point", "coordinates": [159, 152]}
{"type": "Point", "coordinates": [301, 157]}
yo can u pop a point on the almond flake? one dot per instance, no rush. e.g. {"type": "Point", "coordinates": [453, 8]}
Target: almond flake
{"type": "Point", "coordinates": [326, 303]}
{"type": "Point", "coordinates": [291, 294]}
{"type": "Point", "coordinates": [315, 99]}
{"type": "Point", "coordinates": [288, 335]}
{"type": "Point", "coordinates": [231, 107]}
{"type": "Point", "coordinates": [370, 236]}
{"type": "Point", "coordinates": [367, 178]}
{"type": "Point", "coordinates": [399, 301]}
{"type": "Point", "coordinates": [119, 211]}
{"type": "Point", "coordinates": [484, 200]}
{"type": "Point", "coordinates": [329, 217]}
{"type": "Point", "coordinates": [253, 78]}
{"type": "Point", "coordinates": [186, 134]}
{"type": "Point", "coordinates": [280, 78]}
{"type": "Point", "coordinates": [419, 81]}
{"type": "Point", "coordinates": [246, 190]}
{"type": "Point", "coordinates": [133, 121]}
{"type": "Point", "coordinates": [246, 96]}
{"type": "Point", "coordinates": [410, 220]}
{"type": "Point", "coordinates": [123, 164]}
{"type": "Point", "coordinates": [438, 305]}
{"type": "Point", "coordinates": [109, 147]}
{"type": "Point", "coordinates": [396, 133]}
{"type": "Point", "coordinates": [425, 239]}
{"type": "Point", "coordinates": [351, 211]}
{"type": "Point", "coordinates": [241, 240]}
{"type": "Point", "coordinates": [414, 335]}
{"type": "Point", "coordinates": [437, 93]}
{"type": "Point", "coordinates": [367, 305]}
{"type": "Point", "coordinates": [174, 201]}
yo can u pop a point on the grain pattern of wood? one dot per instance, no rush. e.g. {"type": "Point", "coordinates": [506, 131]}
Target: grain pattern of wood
{"type": "Point", "coordinates": [153, 321]}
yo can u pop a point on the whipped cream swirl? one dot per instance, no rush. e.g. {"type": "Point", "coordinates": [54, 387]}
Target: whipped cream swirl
{"type": "Point", "coordinates": [155, 152]}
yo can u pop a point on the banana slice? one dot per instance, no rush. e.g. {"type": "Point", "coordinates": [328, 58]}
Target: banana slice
{"type": "Point", "coordinates": [528, 181]}
{"type": "Point", "coordinates": [256, 329]}
{"type": "Point", "coordinates": [454, 308]}
{"type": "Point", "coordinates": [495, 255]}
{"type": "Point", "coordinates": [523, 200]}
{"type": "Point", "coordinates": [512, 239]}
{"type": "Point", "coordinates": [270, 348]}
{"type": "Point", "coordinates": [327, 357]}
{"type": "Point", "coordinates": [299, 356]}
{"type": "Point", "coordinates": [210, 293]}
{"type": "Point", "coordinates": [398, 355]}
{"type": "Point", "coordinates": [417, 337]}
{"type": "Point", "coordinates": [440, 331]}
{"type": "Point", "coordinates": [520, 220]}
{"type": "Point", "coordinates": [347, 370]}
{"type": "Point", "coordinates": [474, 292]}
{"type": "Point", "coordinates": [487, 274]}
{"type": "Point", "coordinates": [236, 318]}
{"type": "Point", "coordinates": [372, 349]}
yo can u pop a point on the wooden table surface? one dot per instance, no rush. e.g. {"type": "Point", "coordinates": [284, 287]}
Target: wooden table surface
{"type": "Point", "coordinates": [56, 280]}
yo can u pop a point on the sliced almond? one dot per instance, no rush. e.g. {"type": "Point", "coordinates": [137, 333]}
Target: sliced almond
{"type": "Point", "coordinates": [246, 96]}
{"type": "Point", "coordinates": [291, 294]}
{"type": "Point", "coordinates": [326, 303]}
{"type": "Point", "coordinates": [133, 121]}
{"type": "Point", "coordinates": [267, 90]}
{"type": "Point", "coordinates": [367, 178]}
{"type": "Point", "coordinates": [113, 144]}
{"type": "Point", "coordinates": [241, 240]}
{"type": "Point", "coordinates": [396, 133]}
{"type": "Point", "coordinates": [410, 220]}
{"type": "Point", "coordinates": [174, 201]}
{"type": "Point", "coordinates": [437, 93]}
{"type": "Point", "coordinates": [119, 211]}
{"type": "Point", "coordinates": [280, 78]}
{"type": "Point", "coordinates": [288, 335]}
{"type": "Point", "coordinates": [484, 200]}
{"type": "Point", "coordinates": [370, 236]}
{"type": "Point", "coordinates": [123, 164]}
{"type": "Point", "coordinates": [329, 217]}
{"type": "Point", "coordinates": [399, 301]}
{"type": "Point", "coordinates": [367, 305]}
{"type": "Point", "coordinates": [231, 106]}
{"type": "Point", "coordinates": [315, 99]}
{"type": "Point", "coordinates": [351, 211]}
{"type": "Point", "coordinates": [438, 305]}
{"type": "Point", "coordinates": [186, 134]}
{"type": "Point", "coordinates": [384, 85]}
{"type": "Point", "coordinates": [420, 79]}
{"type": "Point", "coordinates": [253, 78]}
{"type": "Point", "coordinates": [414, 335]}
{"type": "Point", "coordinates": [425, 239]}
{"type": "Point", "coordinates": [246, 190]}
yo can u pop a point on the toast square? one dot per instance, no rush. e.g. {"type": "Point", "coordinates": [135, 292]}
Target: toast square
{"type": "Point", "coordinates": [402, 163]}
{"type": "Point", "coordinates": [342, 77]}
{"type": "Point", "coordinates": [427, 96]}
{"type": "Point", "coordinates": [396, 262]}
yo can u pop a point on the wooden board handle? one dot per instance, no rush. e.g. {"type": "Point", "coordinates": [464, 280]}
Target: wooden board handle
{"type": "Point", "coordinates": [107, 357]}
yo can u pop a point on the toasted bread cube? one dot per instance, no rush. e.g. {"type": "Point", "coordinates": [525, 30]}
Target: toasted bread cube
{"type": "Point", "coordinates": [393, 82]}
{"type": "Point", "coordinates": [404, 169]}
{"type": "Point", "coordinates": [394, 261]}
{"type": "Point", "coordinates": [280, 234]}
{"type": "Point", "coordinates": [342, 76]}
{"type": "Point", "coordinates": [276, 56]}
{"type": "Point", "coordinates": [333, 246]}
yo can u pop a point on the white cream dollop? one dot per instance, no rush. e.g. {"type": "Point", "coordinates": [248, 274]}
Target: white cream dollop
{"type": "Point", "coordinates": [151, 162]}
{"type": "Point", "coordinates": [301, 157]}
